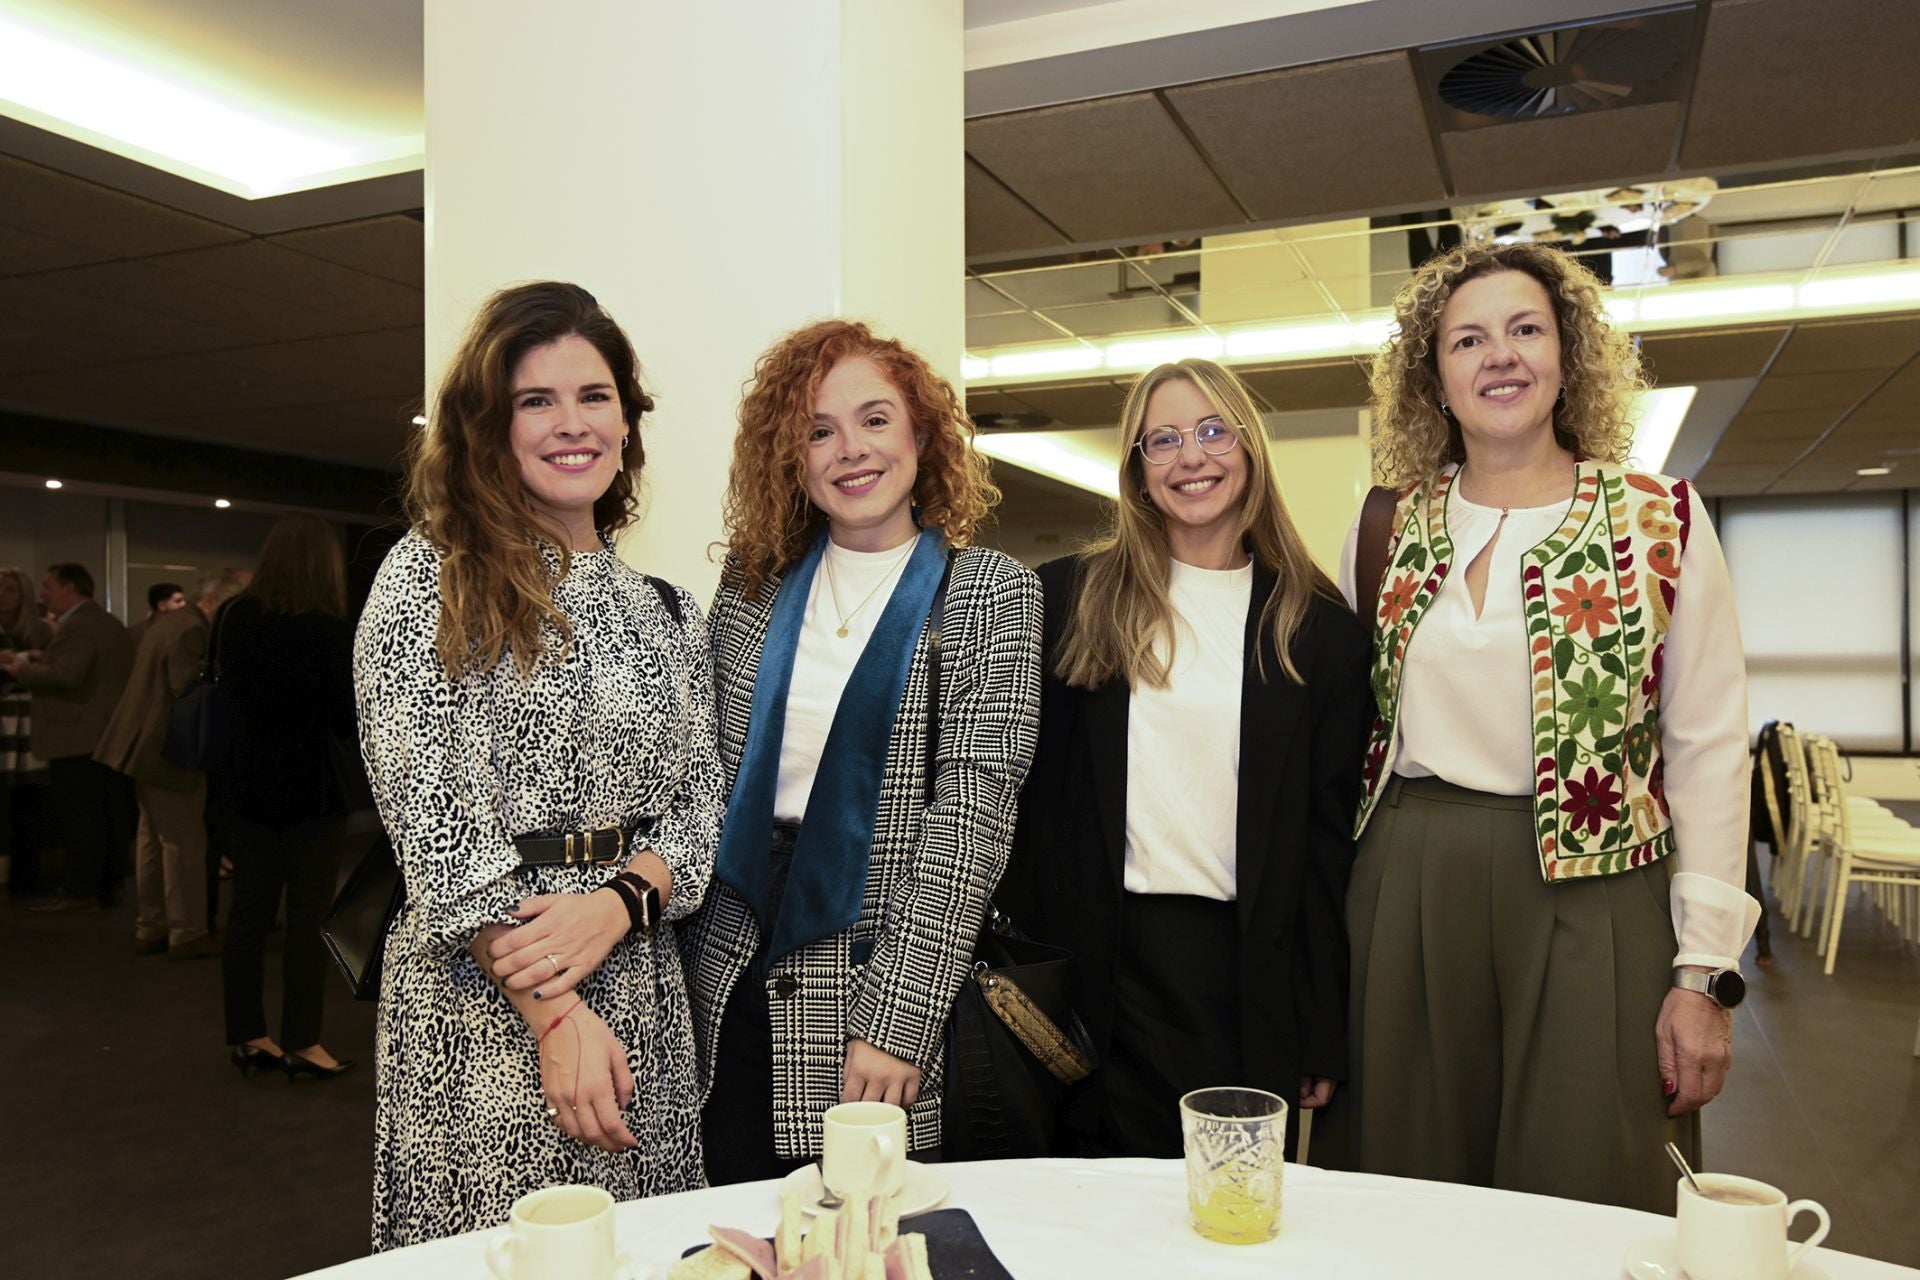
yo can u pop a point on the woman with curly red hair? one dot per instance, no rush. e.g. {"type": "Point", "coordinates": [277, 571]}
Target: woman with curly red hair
{"type": "Point", "coordinates": [862, 838]}
{"type": "Point", "coordinates": [1546, 912]}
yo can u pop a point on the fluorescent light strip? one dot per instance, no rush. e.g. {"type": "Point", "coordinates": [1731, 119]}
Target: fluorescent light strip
{"type": "Point", "coordinates": [1855, 292]}
{"type": "Point", "coordinates": [1657, 419]}
{"type": "Point", "coordinates": [146, 117]}
{"type": "Point", "coordinates": [1039, 451]}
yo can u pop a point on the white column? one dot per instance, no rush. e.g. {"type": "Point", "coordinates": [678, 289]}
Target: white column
{"type": "Point", "coordinates": [716, 174]}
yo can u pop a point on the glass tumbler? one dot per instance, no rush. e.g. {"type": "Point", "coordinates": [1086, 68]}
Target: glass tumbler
{"type": "Point", "coordinates": [1234, 1140]}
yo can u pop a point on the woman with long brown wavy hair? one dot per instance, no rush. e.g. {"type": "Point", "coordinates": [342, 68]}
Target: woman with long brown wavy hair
{"type": "Point", "coordinates": [1184, 829]}
{"type": "Point", "coordinates": [861, 841]}
{"type": "Point", "coordinates": [1547, 908]}
{"type": "Point", "coordinates": [537, 721]}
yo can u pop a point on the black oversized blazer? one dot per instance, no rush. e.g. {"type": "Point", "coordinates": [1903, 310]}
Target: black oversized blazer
{"type": "Point", "coordinates": [1301, 747]}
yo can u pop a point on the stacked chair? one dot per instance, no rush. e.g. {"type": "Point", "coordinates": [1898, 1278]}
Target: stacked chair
{"type": "Point", "coordinates": [1852, 841]}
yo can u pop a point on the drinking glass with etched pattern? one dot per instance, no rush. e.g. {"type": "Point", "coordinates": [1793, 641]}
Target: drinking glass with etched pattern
{"type": "Point", "coordinates": [1234, 1139]}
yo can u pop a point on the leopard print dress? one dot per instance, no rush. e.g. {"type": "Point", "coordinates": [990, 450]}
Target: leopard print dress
{"type": "Point", "coordinates": [620, 730]}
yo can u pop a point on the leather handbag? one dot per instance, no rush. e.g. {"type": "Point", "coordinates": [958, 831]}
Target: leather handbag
{"type": "Point", "coordinates": [1013, 1041]}
{"type": "Point", "coordinates": [200, 724]}
{"type": "Point", "coordinates": [355, 927]}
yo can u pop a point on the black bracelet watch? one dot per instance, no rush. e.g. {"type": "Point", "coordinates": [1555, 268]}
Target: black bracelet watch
{"type": "Point", "coordinates": [1725, 987]}
{"type": "Point", "coordinates": [642, 899]}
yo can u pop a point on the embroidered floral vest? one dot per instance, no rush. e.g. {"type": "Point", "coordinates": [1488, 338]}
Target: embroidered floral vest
{"type": "Point", "coordinates": [1599, 594]}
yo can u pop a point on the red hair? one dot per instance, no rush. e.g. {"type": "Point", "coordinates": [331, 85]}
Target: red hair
{"type": "Point", "coordinates": [770, 520]}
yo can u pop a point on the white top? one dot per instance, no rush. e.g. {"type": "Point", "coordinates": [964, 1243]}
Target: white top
{"type": "Point", "coordinates": [1128, 1220]}
{"type": "Point", "coordinates": [824, 660]}
{"type": "Point", "coordinates": [1466, 708]}
{"type": "Point", "coordinates": [1183, 743]}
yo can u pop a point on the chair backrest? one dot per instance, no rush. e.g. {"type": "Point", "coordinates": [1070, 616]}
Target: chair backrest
{"type": "Point", "coordinates": [1825, 757]}
{"type": "Point", "coordinates": [1801, 815]}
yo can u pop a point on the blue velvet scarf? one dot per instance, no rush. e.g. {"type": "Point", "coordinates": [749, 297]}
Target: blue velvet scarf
{"type": "Point", "coordinates": [828, 876]}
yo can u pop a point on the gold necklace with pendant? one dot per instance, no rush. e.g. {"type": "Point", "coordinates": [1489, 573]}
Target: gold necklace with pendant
{"type": "Point", "coordinates": [833, 588]}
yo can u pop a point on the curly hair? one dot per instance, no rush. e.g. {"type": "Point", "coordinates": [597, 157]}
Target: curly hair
{"type": "Point", "coordinates": [464, 490]}
{"type": "Point", "coordinates": [770, 521]}
{"type": "Point", "coordinates": [1599, 368]}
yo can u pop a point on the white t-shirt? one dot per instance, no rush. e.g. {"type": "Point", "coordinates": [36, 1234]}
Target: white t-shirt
{"type": "Point", "coordinates": [1466, 710]}
{"type": "Point", "coordinates": [1183, 743]}
{"type": "Point", "coordinates": [823, 661]}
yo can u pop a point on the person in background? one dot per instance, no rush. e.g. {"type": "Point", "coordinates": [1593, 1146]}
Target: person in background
{"type": "Point", "coordinates": [1186, 827]}
{"type": "Point", "coordinates": [22, 774]}
{"type": "Point", "coordinates": [1547, 910]}
{"type": "Point", "coordinates": [162, 598]}
{"type": "Point", "coordinates": [537, 721]}
{"type": "Point", "coordinates": [169, 865]}
{"type": "Point", "coordinates": [77, 682]}
{"type": "Point", "coordinates": [851, 884]}
{"type": "Point", "coordinates": [284, 649]}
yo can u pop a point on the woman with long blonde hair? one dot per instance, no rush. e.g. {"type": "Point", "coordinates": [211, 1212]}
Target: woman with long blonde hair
{"type": "Point", "coordinates": [1547, 909]}
{"type": "Point", "coordinates": [537, 722]}
{"type": "Point", "coordinates": [1184, 827]}
{"type": "Point", "coordinates": [862, 838]}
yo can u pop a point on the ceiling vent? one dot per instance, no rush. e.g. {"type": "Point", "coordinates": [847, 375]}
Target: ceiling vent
{"type": "Point", "coordinates": [1561, 71]}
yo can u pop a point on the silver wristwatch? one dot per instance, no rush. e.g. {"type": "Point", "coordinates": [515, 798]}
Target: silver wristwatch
{"type": "Point", "coordinates": [1725, 987]}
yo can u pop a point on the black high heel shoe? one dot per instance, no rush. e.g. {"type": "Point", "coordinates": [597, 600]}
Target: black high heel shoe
{"type": "Point", "coordinates": [250, 1058]}
{"type": "Point", "coordinates": [296, 1067]}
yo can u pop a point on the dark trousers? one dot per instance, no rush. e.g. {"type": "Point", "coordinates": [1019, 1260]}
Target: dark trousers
{"type": "Point", "coordinates": [1176, 1022]}
{"type": "Point", "coordinates": [299, 859]}
{"type": "Point", "coordinates": [90, 803]}
{"type": "Point", "coordinates": [219, 841]}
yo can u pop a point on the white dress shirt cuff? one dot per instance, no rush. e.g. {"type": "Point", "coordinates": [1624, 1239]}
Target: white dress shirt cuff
{"type": "Point", "coordinates": [1712, 920]}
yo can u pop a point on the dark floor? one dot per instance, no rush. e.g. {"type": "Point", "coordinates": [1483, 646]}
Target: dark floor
{"type": "Point", "coordinates": [132, 1150]}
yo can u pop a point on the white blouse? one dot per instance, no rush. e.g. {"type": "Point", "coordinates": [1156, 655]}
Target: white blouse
{"type": "Point", "coordinates": [1466, 708]}
{"type": "Point", "coordinates": [1183, 743]}
{"type": "Point", "coordinates": [823, 661]}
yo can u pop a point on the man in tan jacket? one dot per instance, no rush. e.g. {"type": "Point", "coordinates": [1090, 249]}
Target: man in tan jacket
{"type": "Point", "coordinates": [76, 684]}
{"type": "Point", "coordinates": [170, 851]}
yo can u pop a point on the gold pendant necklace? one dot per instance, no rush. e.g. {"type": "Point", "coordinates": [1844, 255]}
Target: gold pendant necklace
{"type": "Point", "coordinates": [833, 587]}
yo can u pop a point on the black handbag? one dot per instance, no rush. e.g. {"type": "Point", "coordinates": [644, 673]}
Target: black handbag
{"type": "Point", "coordinates": [200, 724]}
{"type": "Point", "coordinates": [1013, 1042]}
{"type": "Point", "coordinates": [355, 927]}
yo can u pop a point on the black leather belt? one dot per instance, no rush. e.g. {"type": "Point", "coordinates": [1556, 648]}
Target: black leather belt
{"type": "Point", "coordinates": [572, 848]}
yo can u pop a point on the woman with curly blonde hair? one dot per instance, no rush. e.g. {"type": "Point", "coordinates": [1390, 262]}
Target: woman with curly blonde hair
{"type": "Point", "coordinates": [537, 722]}
{"type": "Point", "coordinates": [863, 835]}
{"type": "Point", "coordinates": [1547, 909]}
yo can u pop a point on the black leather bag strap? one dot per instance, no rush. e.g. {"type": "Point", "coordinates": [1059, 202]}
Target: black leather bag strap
{"type": "Point", "coordinates": [936, 614]}
{"type": "Point", "coordinates": [668, 597]}
{"type": "Point", "coordinates": [1370, 556]}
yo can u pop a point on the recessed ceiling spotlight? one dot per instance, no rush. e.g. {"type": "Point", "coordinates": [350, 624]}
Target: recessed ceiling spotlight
{"type": "Point", "coordinates": [1874, 471]}
{"type": "Point", "coordinates": [221, 503]}
{"type": "Point", "coordinates": [419, 419]}
{"type": "Point", "coordinates": [53, 484]}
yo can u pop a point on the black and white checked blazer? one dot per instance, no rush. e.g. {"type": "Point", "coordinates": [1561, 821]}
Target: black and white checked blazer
{"type": "Point", "coordinates": [890, 979]}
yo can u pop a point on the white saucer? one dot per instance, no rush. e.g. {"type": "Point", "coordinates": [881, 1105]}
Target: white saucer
{"type": "Point", "coordinates": [1658, 1258]}
{"type": "Point", "coordinates": [925, 1188]}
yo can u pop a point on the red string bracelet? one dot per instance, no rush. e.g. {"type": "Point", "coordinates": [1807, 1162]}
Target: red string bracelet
{"type": "Point", "coordinates": [557, 1021]}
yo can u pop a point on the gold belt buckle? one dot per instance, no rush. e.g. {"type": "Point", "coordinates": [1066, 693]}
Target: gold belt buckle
{"type": "Point", "coordinates": [614, 855]}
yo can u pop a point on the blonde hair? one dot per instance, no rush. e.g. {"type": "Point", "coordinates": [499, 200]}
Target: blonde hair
{"type": "Point", "coordinates": [465, 494]}
{"type": "Point", "coordinates": [770, 521]}
{"type": "Point", "coordinates": [1599, 368]}
{"type": "Point", "coordinates": [1123, 606]}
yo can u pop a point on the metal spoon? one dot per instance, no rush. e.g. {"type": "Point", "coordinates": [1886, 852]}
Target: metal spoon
{"type": "Point", "coordinates": [1674, 1153]}
{"type": "Point", "coordinates": [828, 1200]}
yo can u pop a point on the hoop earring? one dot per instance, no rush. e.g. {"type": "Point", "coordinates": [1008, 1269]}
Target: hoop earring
{"type": "Point", "coordinates": [1444, 411]}
{"type": "Point", "coordinates": [623, 440]}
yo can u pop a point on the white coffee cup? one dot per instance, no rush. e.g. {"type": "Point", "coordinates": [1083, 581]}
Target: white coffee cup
{"type": "Point", "coordinates": [863, 1145]}
{"type": "Point", "coordinates": [560, 1233]}
{"type": "Point", "coordinates": [1736, 1229]}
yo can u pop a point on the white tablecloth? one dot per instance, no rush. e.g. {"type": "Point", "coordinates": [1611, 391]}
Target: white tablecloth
{"type": "Point", "coordinates": [1122, 1219]}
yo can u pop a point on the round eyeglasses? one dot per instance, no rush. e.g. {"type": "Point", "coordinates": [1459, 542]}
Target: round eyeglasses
{"type": "Point", "coordinates": [1161, 445]}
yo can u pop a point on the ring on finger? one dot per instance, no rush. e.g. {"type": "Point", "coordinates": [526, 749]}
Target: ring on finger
{"type": "Point", "coordinates": [555, 963]}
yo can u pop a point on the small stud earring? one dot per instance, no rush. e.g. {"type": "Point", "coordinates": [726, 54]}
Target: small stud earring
{"type": "Point", "coordinates": [1444, 411]}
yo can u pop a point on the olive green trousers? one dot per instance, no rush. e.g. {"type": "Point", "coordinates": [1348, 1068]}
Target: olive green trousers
{"type": "Point", "coordinates": [1502, 1026]}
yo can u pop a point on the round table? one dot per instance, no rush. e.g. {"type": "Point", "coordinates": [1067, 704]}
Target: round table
{"type": "Point", "coordinates": [1120, 1219]}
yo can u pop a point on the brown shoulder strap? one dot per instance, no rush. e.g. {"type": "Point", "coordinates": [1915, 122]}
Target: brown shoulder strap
{"type": "Point", "coordinates": [1370, 557]}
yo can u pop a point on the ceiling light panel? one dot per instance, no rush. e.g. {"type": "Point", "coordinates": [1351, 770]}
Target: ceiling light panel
{"type": "Point", "coordinates": [188, 122]}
